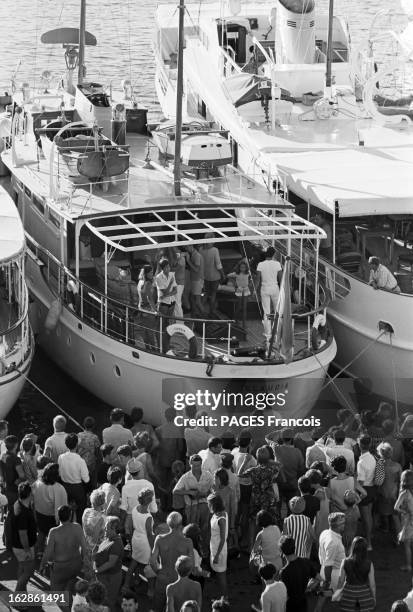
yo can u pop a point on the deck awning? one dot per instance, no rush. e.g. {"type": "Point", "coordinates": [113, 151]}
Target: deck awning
{"type": "Point", "coordinates": [141, 230]}
{"type": "Point", "coordinates": [363, 181]}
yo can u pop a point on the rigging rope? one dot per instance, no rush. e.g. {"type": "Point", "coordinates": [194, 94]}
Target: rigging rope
{"type": "Point", "coordinates": [366, 348]}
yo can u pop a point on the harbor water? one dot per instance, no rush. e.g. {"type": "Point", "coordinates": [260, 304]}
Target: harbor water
{"type": "Point", "coordinates": [123, 31]}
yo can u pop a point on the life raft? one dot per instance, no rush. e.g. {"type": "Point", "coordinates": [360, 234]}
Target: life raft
{"type": "Point", "coordinates": [180, 328]}
{"type": "Point", "coordinates": [319, 332]}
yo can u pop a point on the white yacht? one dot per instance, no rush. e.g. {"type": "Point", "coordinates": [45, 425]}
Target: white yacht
{"type": "Point", "coordinates": [305, 117]}
{"type": "Point", "coordinates": [89, 235]}
{"type": "Point", "coordinates": [16, 339]}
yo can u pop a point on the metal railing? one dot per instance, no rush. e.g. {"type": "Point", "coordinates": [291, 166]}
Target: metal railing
{"type": "Point", "coordinates": [147, 330]}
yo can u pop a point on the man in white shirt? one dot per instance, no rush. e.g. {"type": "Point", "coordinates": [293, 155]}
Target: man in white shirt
{"type": "Point", "coordinates": [331, 550]}
{"type": "Point", "coordinates": [130, 492]}
{"type": "Point", "coordinates": [74, 474]}
{"type": "Point", "coordinates": [195, 486]}
{"type": "Point", "coordinates": [167, 289]}
{"type": "Point", "coordinates": [55, 445]}
{"type": "Point", "coordinates": [381, 277]}
{"type": "Point", "coordinates": [117, 435]}
{"type": "Point", "coordinates": [274, 596]}
{"type": "Point", "coordinates": [366, 468]}
{"type": "Point", "coordinates": [211, 460]}
{"type": "Point", "coordinates": [269, 275]}
{"type": "Point", "coordinates": [338, 449]}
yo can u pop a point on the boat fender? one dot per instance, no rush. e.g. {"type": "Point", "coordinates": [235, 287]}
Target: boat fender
{"type": "Point", "coordinates": [319, 332]}
{"type": "Point", "coordinates": [180, 328]}
{"type": "Point", "coordinates": [53, 315]}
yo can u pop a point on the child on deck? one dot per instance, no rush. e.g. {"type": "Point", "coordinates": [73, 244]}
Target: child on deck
{"type": "Point", "coordinates": [404, 505]}
{"type": "Point", "coordinates": [242, 291]}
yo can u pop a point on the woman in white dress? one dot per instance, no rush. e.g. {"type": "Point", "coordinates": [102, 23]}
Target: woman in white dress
{"type": "Point", "coordinates": [218, 542]}
{"type": "Point", "coordinates": [142, 540]}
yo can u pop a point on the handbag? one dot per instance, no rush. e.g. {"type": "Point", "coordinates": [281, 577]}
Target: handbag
{"type": "Point", "coordinates": [256, 561]}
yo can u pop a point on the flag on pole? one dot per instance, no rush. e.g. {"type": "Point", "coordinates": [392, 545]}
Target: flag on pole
{"type": "Point", "coordinates": [284, 337]}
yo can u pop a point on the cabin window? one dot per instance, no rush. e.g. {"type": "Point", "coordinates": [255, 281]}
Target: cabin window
{"type": "Point", "coordinates": [38, 204]}
{"type": "Point", "coordinates": [19, 184]}
{"type": "Point", "coordinates": [28, 192]}
{"type": "Point", "coordinates": [54, 219]}
{"type": "Point", "coordinates": [253, 23]}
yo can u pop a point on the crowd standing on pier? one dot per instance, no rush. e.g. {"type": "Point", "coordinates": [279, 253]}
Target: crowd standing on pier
{"type": "Point", "coordinates": [140, 518]}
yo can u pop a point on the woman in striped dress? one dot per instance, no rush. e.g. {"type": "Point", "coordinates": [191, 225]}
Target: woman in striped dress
{"type": "Point", "coordinates": [357, 580]}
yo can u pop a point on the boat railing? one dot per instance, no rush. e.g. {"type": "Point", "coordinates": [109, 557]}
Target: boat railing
{"type": "Point", "coordinates": [148, 330]}
{"type": "Point", "coordinates": [228, 66]}
{"type": "Point", "coordinates": [16, 340]}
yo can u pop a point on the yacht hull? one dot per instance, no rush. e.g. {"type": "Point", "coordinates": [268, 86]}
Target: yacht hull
{"type": "Point", "coordinates": [124, 376]}
{"type": "Point", "coordinates": [385, 363]}
{"type": "Point", "coordinates": [11, 386]}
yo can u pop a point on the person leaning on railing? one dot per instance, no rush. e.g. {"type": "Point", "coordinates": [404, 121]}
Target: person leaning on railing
{"type": "Point", "coordinates": [147, 320]}
{"type": "Point", "coordinates": [167, 289]}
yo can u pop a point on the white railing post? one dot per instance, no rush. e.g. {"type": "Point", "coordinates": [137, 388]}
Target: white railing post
{"type": "Point", "coordinates": [127, 324]}
{"type": "Point", "coordinates": [203, 339]}
{"type": "Point", "coordinates": [309, 332]}
{"type": "Point", "coordinates": [81, 300]}
{"type": "Point", "coordinates": [160, 333]}
{"type": "Point", "coordinates": [229, 338]}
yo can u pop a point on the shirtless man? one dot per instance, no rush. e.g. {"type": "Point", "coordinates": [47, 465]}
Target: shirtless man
{"type": "Point", "coordinates": [184, 588]}
{"type": "Point", "coordinates": [166, 550]}
{"type": "Point", "coordinates": [65, 550]}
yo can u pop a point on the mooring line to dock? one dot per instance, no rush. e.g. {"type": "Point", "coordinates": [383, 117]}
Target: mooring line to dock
{"type": "Point", "coordinates": [51, 400]}
{"type": "Point", "coordinates": [363, 350]}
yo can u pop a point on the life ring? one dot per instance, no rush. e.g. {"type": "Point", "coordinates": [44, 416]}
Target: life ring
{"type": "Point", "coordinates": [180, 328]}
{"type": "Point", "coordinates": [319, 332]}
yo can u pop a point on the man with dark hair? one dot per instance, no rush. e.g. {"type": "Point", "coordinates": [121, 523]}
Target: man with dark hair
{"type": "Point", "coordinates": [312, 504]}
{"type": "Point", "coordinates": [269, 274]}
{"type": "Point", "coordinates": [183, 588]}
{"type": "Point", "coordinates": [366, 469]}
{"type": "Point", "coordinates": [245, 482]}
{"type": "Point", "coordinates": [12, 469]}
{"type": "Point", "coordinates": [66, 549]}
{"type": "Point", "coordinates": [24, 535]}
{"type": "Point", "coordinates": [274, 596]}
{"type": "Point", "coordinates": [211, 459]}
{"type": "Point", "coordinates": [107, 455]}
{"type": "Point", "coordinates": [292, 462]}
{"type": "Point", "coordinates": [339, 449]}
{"type": "Point", "coordinates": [167, 289]}
{"type": "Point", "coordinates": [129, 601]}
{"type": "Point", "coordinates": [295, 575]}
{"type": "Point", "coordinates": [74, 475]}
{"type": "Point", "coordinates": [123, 455]}
{"type": "Point", "coordinates": [117, 434]}
{"type": "Point", "coordinates": [213, 272]}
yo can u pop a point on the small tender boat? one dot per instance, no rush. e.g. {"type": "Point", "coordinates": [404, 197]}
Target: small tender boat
{"type": "Point", "coordinates": [201, 146]}
{"type": "Point", "coordinates": [16, 339]}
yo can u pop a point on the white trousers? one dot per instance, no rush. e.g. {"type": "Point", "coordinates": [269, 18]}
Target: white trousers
{"type": "Point", "coordinates": [268, 299]}
{"type": "Point", "coordinates": [178, 301]}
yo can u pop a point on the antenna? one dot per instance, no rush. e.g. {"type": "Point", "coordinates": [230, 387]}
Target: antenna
{"type": "Point", "coordinates": [179, 95]}
{"type": "Point", "coordinates": [82, 42]}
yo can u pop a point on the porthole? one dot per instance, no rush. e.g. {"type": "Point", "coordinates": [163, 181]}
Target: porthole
{"type": "Point", "coordinates": [92, 358]}
{"type": "Point", "coordinates": [116, 371]}
{"type": "Point", "coordinates": [69, 341]}
{"type": "Point", "coordinates": [58, 331]}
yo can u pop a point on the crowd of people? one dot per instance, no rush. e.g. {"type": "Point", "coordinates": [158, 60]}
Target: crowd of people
{"type": "Point", "coordinates": [135, 516]}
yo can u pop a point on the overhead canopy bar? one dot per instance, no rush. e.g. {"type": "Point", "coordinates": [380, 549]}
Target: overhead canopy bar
{"type": "Point", "coordinates": [166, 227]}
